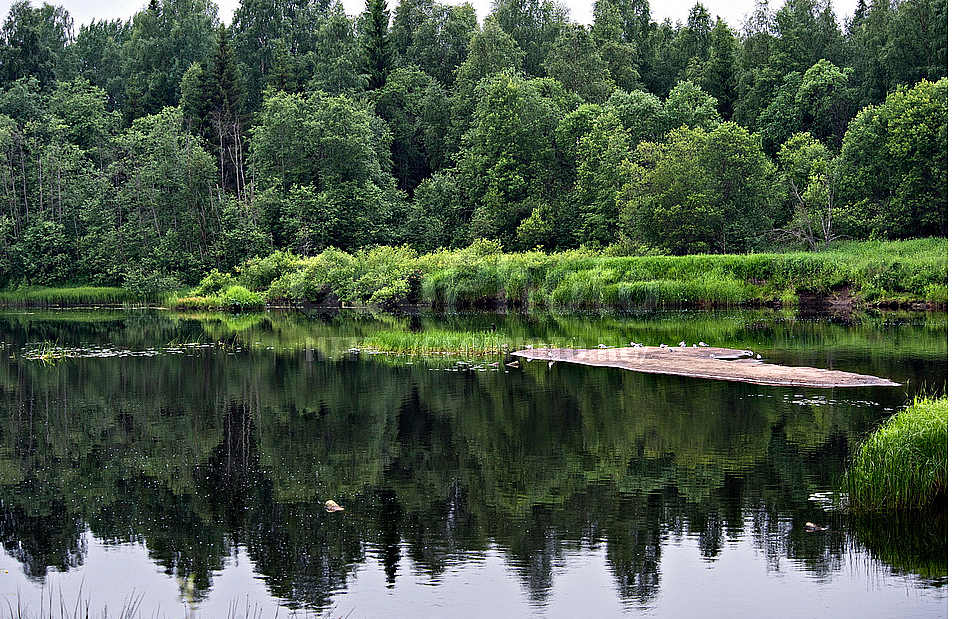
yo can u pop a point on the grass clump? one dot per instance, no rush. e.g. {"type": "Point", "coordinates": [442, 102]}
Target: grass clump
{"type": "Point", "coordinates": [904, 464]}
{"type": "Point", "coordinates": [438, 342]}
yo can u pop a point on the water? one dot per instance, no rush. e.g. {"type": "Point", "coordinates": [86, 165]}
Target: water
{"type": "Point", "coordinates": [179, 466]}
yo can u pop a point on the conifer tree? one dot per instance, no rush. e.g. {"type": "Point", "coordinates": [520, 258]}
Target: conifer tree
{"type": "Point", "coordinates": [379, 55]}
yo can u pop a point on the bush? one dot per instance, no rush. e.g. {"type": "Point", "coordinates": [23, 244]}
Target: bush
{"type": "Point", "coordinates": [239, 299]}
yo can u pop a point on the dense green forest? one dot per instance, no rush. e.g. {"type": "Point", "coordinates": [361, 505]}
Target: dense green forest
{"type": "Point", "coordinates": [161, 147]}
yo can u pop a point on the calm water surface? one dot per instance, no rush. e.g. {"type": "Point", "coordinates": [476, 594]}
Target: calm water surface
{"type": "Point", "coordinates": [179, 464]}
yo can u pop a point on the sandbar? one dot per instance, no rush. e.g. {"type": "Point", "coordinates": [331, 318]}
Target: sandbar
{"type": "Point", "coordinates": [706, 362]}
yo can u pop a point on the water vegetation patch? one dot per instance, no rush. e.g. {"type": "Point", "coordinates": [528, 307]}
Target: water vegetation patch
{"type": "Point", "coordinates": [438, 342]}
{"type": "Point", "coordinates": [75, 295]}
{"type": "Point", "coordinates": [904, 464]}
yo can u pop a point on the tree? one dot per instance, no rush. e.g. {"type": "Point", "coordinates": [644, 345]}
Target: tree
{"type": "Point", "coordinates": [534, 25]}
{"type": "Point", "coordinates": [38, 43]}
{"type": "Point", "coordinates": [640, 113]}
{"type": "Point", "coordinates": [168, 36]}
{"type": "Point", "coordinates": [435, 37]}
{"type": "Point", "coordinates": [378, 54]}
{"type": "Point", "coordinates": [575, 63]}
{"type": "Point", "coordinates": [265, 30]}
{"type": "Point", "coordinates": [509, 162]}
{"type": "Point", "coordinates": [416, 110]}
{"type": "Point", "coordinates": [99, 50]}
{"type": "Point", "coordinates": [614, 49]}
{"type": "Point", "coordinates": [339, 57]}
{"type": "Point", "coordinates": [599, 176]}
{"type": "Point", "coordinates": [698, 192]}
{"type": "Point", "coordinates": [807, 171]}
{"type": "Point", "coordinates": [689, 105]}
{"type": "Point", "coordinates": [819, 101]}
{"type": "Point", "coordinates": [323, 158]}
{"type": "Point", "coordinates": [826, 102]}
{"type": "Point", "coordinates": [164, 186]}
{"type": "Point", "coordinates": [720, 73]}
{"type": "Point", "coordinates": [893, 165]}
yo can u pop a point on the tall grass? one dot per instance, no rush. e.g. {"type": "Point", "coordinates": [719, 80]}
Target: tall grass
{"type": "Point", "coordinates": [437, 342]}
{"type": "Point", "coordinates": [79, 295]}
{"type": "Point", "coordinates": [904, 464]}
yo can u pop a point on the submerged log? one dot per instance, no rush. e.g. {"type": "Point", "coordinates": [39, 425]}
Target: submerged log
{"type": "Point", "coordinates": [706, 362]}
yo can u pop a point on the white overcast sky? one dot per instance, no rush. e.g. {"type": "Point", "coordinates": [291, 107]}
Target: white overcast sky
{"type": "Point", "coordinates": [732, 11]}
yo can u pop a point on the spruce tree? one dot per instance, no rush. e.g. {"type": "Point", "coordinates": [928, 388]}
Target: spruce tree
{"type": "Point", "coordinates": [377, 48]}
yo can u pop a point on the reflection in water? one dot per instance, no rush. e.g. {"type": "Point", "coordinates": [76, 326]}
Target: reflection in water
{"type": "Point", "coordinates": [238, 430]}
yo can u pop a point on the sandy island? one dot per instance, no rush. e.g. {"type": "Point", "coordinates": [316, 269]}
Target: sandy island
{"type": "Point", "coordinates": [706, 362]}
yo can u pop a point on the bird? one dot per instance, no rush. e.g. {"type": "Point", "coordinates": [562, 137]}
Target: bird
{"type": "Point", "coordinates": [602, 346]}
{"type": "Point", "coordinates": [550, 354]}
{"type": "Point", "coordinates": [695, 345]}
{"type": "Point", "coordinates": [811, 526]}
{"type": "Point", "coordinates": [634, 345]}
{"type": "Point", "coordinates": [332, 506]}
{"type": "Point", "coordinates": [551, 363]}
{"type": "Point", "coordinates": [663, 346]}
{"type": "Point", "coordinates": [749, 353]}
{"type": "Point", "coordinates": [528, 346]}
{"type": "Point", "coordinates": [703, 344]}
{"type": "Point", "coordinates": [758, 356]}
{"type": "Point", "coordinates": [682, 344]}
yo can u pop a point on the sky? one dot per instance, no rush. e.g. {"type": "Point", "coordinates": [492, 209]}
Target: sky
{"type": "Point", "coordinates": [731, 11]}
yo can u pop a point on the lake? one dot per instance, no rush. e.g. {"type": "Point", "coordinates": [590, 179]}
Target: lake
{"type": "Point", "coordinates": [168, 465]}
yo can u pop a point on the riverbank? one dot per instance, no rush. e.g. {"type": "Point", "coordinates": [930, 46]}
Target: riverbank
{"type": "Point", "coordinates": [884, 274]}
{"type": "Point", "coordinates": [904, 464]}
{"type": "Point", "coordinates": [894, 274]}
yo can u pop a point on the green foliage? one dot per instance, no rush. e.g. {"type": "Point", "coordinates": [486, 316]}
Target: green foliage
{"type": "Point", "coordinates": [379, 57]}
{"type": "Point", "coordinates": [509, 162]}
{"type": "Point", "coordinates": [213, 283]}
{"type": "Point", "coordinates": [575, 63]}
{"type": "Point", "coordinates": [460, 136]}
{"type": "Point", "coordinates": [149, 285]}
{"type": "Point", "coordinates": [904, 464]}
{"type": "Point", "coordinates": [699, 192]}
{"type": "Point", "coordinates": [689, 106]}
{"type": "Point", "coordinates": [893, 165]}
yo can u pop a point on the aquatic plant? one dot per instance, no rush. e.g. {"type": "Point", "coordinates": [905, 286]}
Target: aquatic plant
{"type": "Point", "coordinates": [437, 342]}
{"type": "Point", "coordinates": [904, 463]}
{"type": "Point", "coordinates": [86, 295]}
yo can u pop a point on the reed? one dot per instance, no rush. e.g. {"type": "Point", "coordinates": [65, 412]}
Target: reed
{"type": "Point", "coordinates": [904, 464]}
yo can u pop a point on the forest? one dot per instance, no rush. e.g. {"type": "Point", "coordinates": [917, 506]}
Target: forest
{"type": "Point", "coordinates": [161, 147]}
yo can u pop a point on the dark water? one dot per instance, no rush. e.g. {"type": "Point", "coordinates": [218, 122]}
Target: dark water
{"type": "Point", "coordinates": [181, 464]}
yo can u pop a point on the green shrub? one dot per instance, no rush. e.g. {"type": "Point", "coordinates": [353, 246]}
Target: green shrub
{"type": "Point", "coordinates": [213, 283]}
{"type": "Point", "coordinates": [239, 299]}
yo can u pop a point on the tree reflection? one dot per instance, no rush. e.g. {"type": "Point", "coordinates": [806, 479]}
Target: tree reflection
{"type": "Point", "coordinates": [197, 453]}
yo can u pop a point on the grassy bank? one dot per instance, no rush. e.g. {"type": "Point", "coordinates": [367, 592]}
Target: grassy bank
{"type": "Point", "coordinates": [904, 464]}
{"type": "Point", "coordinates": [481, 275]}
{"type": "Point", "coordinates": [873, 272]}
